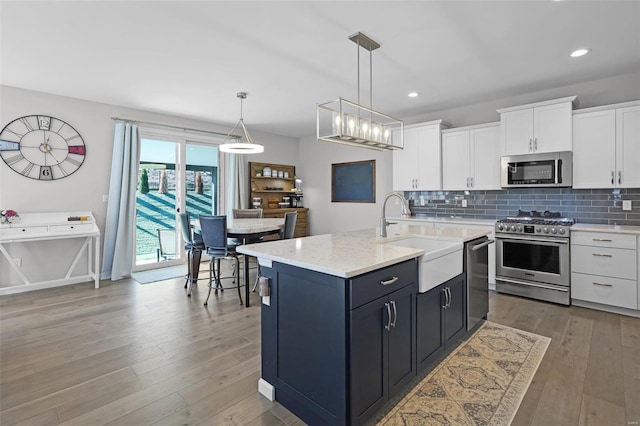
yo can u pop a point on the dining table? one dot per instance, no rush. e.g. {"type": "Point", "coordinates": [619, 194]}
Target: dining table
{"type": "Point", "coordinates": [244, 229]}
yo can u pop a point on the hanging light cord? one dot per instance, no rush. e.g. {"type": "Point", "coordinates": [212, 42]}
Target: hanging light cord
{"type": "Point", "coordinates": [242, 96]}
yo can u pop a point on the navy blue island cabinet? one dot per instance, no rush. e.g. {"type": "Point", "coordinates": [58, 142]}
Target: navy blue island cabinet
{"type": "Point", "coordinates": [336, 349]}
{"type": "Point", "coordinates": [441, 319]}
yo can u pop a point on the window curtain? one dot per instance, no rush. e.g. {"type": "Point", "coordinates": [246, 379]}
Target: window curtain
{"type": "Point", "coordinates": [237, 183]}
{"type": "Point", "coordinates": [119, 244]}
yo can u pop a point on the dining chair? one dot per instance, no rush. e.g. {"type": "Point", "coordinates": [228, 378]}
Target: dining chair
{"type": "Point", "coordinates": [214, 234]}
{"type": "Point", "coordinates": [286, 233]}
{"type": "Point", "coordinates": [192, 243]}
{"type": "Point", "coordinates": [289, 228]}
{"type": "Point", "coordinates": [247, 213]}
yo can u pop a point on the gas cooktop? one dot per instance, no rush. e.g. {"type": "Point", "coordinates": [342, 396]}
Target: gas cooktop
{"type": "Point", "coordinates": [535, 222]}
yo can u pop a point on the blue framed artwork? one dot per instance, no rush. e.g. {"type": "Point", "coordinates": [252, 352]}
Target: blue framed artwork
{"type": "Point", "coordinates": [353, 182]}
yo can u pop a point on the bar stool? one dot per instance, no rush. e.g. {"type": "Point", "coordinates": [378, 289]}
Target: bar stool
{"type": "Point", "coordinates": [214, 234]}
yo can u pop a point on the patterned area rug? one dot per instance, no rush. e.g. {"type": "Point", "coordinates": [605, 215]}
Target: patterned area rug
{"type": "Point", "coordinates": [482, 382]}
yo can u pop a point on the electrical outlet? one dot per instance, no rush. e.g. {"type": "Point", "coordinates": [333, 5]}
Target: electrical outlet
{"type": "Point", "coordinates": [464, 203]}
{"type": "Point", "coordinates": [18, 262]}
{"type": "Point", "coordinates": [626, 204]}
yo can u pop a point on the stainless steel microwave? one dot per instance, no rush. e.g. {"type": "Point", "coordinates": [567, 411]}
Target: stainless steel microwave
{"type": "Point", "coordinates": [537, 170]}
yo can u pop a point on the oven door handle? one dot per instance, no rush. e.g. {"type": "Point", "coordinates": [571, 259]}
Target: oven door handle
{"type": "Point", "coordinates": [533, 240]}
{"type": "Point", "coordinates": [479, 246]}
{"type": "Point", "coordinates": [529, 283]}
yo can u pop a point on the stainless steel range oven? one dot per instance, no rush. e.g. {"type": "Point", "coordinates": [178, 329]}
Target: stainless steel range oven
{"type": "Point", "coordinates": [533, 258]}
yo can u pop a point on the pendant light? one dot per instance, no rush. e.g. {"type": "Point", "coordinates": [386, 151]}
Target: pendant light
{"type": "Point", "coordinates": [248, 147]}
{"type": "Point", "coordinates": [350, 123]}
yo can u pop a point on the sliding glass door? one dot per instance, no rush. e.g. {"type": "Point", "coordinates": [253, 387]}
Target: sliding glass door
{"type": "Point", "coordinates": [175, 175]}
{"type": "Point", "coordinates": [156, 204]}
{"type": "Point", "coordinates": [201, 180]}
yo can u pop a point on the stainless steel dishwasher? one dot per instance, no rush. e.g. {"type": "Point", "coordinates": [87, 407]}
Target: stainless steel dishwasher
{"type": "Point", "coordinates": [477, 266]}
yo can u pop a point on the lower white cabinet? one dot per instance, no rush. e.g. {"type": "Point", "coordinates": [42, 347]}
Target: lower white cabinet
{"type": "Point", "coordinates": [604, 268]}
{"type": "Point", "coordinates": [604, 290]}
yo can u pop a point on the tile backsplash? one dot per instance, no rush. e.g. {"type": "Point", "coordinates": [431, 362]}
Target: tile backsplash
{"type": "Point", "coordinates": [601, 206]}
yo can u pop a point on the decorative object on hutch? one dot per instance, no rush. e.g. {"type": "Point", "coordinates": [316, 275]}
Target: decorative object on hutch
{"type": "Point", "coordinates": [42, 147]}
{"type": "Point", "coordinates": [350, 123]}
{"type": "Point", "coordinates": [236, 147]}
{"type": "Point", "coordinates": [277, 195]}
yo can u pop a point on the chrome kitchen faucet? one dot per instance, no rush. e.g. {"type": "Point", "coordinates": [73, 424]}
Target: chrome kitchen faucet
{"type": "Point", "coordinates": [405, 211]}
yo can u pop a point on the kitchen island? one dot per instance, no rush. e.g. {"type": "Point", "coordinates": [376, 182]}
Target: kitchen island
{"type": "Point", "coordinates": [340, 327]}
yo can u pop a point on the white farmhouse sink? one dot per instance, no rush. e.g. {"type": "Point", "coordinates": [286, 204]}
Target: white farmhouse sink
{"type": "Point", "coordinates": [441, 261]}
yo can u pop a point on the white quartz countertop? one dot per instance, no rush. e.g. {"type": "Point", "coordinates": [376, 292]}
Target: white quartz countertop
{"type": "Point", "coordinates": [605, 228]}
{"type": "Point", "coordinates": [353, 253]}
{"type": "Point", "coordinates": [455, 220]}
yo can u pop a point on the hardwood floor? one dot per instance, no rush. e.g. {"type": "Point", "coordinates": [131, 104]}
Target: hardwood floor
{"type": "Point", "coordinates": [131, 354]}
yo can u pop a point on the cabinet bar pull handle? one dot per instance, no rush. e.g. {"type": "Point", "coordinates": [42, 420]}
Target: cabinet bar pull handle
{"type": "Point", "coordinates": [602, 255]}
{"type": "Point", "coordinates": [619, 176]}
{"type": "Point", "coordinates": [446, 297]}
{"type": "Point", "coordinates": [449, 291]}
{"type": "Point", "coordinates": [602, 285]}
{"type": "Point", "coordinates": [612, 177]}
{"type": "Point", "coordinates": [389, 281]}
{"type": "Point", "coordinates": [388, 326]}
{"type": "Point", "coordinates": [467, 182]}
{"type": "Point", "coordinates": [530, 145]}
{"type": "Point", "coordinates": [601, 239]}
{"type": "Point", "coordinates": [395, 314]}
{"type": "Point", "coordinates": [535, 144]}
{"type": "Point", "coordinates": [471, 180]}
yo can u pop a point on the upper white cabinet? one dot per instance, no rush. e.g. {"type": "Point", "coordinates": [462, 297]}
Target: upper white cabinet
{"type": "Point", "coordinates": [606, 147]}
{"type": "Point", "coordinates": [471, 158]}
{"type": "Point", "coordinates": [417, 166]}
{"type": "Point", "coordinates": [536, 128]}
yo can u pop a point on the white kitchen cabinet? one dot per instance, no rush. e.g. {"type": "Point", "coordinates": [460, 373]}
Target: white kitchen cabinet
{"type": "Point", "coordinates": [606, 147]}
{"type": "Point", "coordinates": [471, 158]}
{"type": "Point", "coordinates": [604, 269]}
{"type": "Point", "coordinates": [536, 128]}
{"type": "Point", "coordinates": [417, 166]}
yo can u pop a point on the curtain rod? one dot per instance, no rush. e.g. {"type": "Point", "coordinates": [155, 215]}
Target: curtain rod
{"type": "Point", "coordinates": [174, 127]}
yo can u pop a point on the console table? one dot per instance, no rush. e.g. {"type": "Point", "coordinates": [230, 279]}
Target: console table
{"type": "Point", "coordinates": [34, 227]}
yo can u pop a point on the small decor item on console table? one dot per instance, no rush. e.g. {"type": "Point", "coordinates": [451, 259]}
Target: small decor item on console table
{"type": "Point", "coordinates": [8, 216]}
{"type": "Point", "coordinates": [75, 218]}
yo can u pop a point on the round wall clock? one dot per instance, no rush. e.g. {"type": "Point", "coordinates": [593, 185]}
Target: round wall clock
{"type": "Point", "coordinates": [42, 147]}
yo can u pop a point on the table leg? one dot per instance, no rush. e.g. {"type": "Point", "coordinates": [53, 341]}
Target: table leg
{"type": "Point", "coordinates": [195, 265]}
{"type": "Point", "coordinates": [246, 281]}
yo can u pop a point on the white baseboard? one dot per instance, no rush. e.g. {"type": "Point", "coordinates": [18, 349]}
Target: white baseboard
{"type": "Point", "coordinates": [267, 389]}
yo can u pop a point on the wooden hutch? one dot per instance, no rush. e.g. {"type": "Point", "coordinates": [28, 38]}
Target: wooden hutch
{"type": "Point", "coordinates": [272, 189]}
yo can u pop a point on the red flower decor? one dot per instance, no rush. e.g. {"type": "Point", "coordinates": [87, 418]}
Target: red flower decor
{"type": "Point", "coordinates": [8, 216]}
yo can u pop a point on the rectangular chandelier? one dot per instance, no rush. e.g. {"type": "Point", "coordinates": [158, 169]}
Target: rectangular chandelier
{"type": "Point", "coordinates": [349, 123]}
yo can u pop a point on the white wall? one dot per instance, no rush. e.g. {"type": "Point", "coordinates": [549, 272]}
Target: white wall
{"type": "Point", "coordinates": [316, 157]}
{"type": "Point", "coordinates": [325, 217]}
{"type": "Point", "coordinates": [83, 190]}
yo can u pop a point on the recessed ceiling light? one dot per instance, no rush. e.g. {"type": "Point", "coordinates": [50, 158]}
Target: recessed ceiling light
{"type": "Point", "coordinates": [579, 52]}
{"type": "Point", "coordinates": [413, 95]}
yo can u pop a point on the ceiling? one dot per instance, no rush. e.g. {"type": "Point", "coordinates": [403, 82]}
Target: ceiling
{"type": "Point", "coordinates": [189, 58]}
